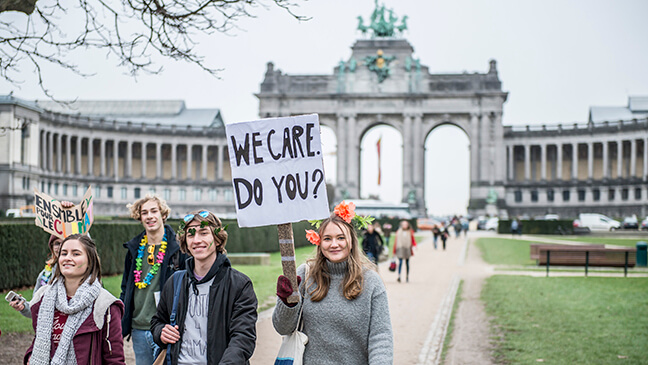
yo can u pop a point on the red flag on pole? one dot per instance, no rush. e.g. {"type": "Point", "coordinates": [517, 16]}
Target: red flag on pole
{"type": "Point", "coordinates": [378, 147]}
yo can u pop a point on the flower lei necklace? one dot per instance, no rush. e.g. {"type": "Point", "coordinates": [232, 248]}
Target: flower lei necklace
{"type": "Point", "coordinates": [345, 211]}
{"type": "Point", "coordinates": [47, 274]}
{"type": "Point", "coordinates": [155, 267]}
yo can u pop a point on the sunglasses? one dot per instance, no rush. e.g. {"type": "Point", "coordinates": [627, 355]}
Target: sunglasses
{"type": "Point", "coordinates": [189, 217]}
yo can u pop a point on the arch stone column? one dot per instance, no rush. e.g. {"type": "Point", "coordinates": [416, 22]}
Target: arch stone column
{"type": "Point", "coordinates": [574, 174]}
{"type": "Point", "coordinates": [527, 162]}
{"type": "Point", "coordinates": [189, 161]}
{"type": "Point", "coordinates": [633, 158]}
{"type": "Point", "coordinates": [129, 159]}
{"type": "Point", "coordinates": [143, 147]}
{"type": "Point", "coordinates": [590, 160]}
{"type": "Point", "coordinates": [353, 171]}
{"type": "Point", "coordinates": [203, 162]}
{"type": "Point", "coordinates": [90, 156]}
{"type": "Point", "coordinates": [559, 160]}
{"type": "Point", "coordinates": [341, 153]}
{"type": "Point", "coordinates": [219, 165]}
{"type": "Point", "coordinates": [619, 159]}
{"type": "Point", "coordinates": [77, 165]}
{"type": "Point", "coordinates": [606, 161]}
{"type": "Point", "coordinates": [173, 161]}
{"type": "Point", "coordinates": [102, 157]}
{"type": "Point", "coordinates": [68, 154]}
{"type": "Point", "coordinates": [408, 183]}
{"type": "Point", "coordinates": [543, 162]}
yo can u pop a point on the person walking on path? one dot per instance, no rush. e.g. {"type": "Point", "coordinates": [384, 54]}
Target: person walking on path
{"type": "Point", "coordinates": [44, 277]}
{"type": "Point", "coordinates": [343, 300]}
{"type": "Point", "coordinates": [76, 320]}
{"type": "Point", "coordinates": [151, 258]}
{"type": "Point", "coordinates": [436, 232]}
{"type": "Point", "coordinates": [216, 305]}
{"type": "Point", "coordinates": [444, 235]}
{"type": "Point", "coordinates": [372, 244]}
{"type": "Point", "coordinates": [404, 247]}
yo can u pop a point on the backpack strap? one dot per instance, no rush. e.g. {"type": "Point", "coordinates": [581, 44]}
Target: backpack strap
{"type": "Point", "coordinates": [177, 283]}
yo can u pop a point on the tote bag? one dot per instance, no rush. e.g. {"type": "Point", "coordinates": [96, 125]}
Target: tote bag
{"type": "Point", "coordinates": [292, 347]}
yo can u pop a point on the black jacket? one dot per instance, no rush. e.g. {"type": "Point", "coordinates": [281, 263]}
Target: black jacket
{"type": "Point", "coordinates": [231, 319]}
{"type": "Point", "coordinates": [173, 260]}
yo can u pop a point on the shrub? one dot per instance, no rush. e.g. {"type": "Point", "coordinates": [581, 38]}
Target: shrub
{"type": "Point", "coordinates": [539, 227]}
{"type": "Point", "coordinates": [24, 246]}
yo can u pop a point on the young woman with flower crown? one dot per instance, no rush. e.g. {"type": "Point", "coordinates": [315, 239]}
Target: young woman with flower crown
{"type": "Point", "coordinates": [152, 257]}
{"type": "Point", "coordinates": [343, 300]}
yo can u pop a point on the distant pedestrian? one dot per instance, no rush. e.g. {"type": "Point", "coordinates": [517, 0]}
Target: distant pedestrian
{"type": "Point", "coordinates": [457, 227]}
{"type": "Point", "coordinates": [404, 247]}
{"type": "Point", "coordinates": [444, 235]}
{"type": "Point", "coordinates": [372, 244]}
{"type": "Point", "coordinates": [387, 230]}
{"type": "Point", "coordinates": [436, 232]}
{"type": "Point", "coordinates": [464, 226]}
{"type": "Point", "coordinates": [515, 226]}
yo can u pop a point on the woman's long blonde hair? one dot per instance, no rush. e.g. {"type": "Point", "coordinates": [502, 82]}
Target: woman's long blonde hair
{"type": "Point", "coordinates": [319, 275]}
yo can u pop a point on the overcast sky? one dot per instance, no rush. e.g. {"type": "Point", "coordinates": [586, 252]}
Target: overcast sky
{"type": "Point", "coordinates": [555, 58]}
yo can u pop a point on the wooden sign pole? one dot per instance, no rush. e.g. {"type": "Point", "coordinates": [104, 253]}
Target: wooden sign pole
{"type": "Point", "coordinates": [287, 249]}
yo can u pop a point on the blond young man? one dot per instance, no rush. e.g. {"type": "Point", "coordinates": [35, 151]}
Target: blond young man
{"type": "Point", "coordinates": [151, 258]}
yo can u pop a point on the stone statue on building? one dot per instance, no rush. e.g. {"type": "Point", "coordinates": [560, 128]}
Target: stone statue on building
{"type": "Point", "coordinates": [380, 26]}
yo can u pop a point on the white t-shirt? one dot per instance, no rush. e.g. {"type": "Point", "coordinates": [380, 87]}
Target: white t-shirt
{"type": "Point", "coordinates": [194, 339]}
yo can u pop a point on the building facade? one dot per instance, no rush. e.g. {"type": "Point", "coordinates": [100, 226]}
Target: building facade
{"type": "Point", "coordinates": [599, 166]}
{"type": "Point", "coordinates": [123, 149]}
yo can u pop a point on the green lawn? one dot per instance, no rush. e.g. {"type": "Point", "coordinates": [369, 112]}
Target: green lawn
{"type": "Point", "coordinates": [607, 241]}
{"type": "Point", "coordinates": [264, 279]}
{"type": "Point", "coordinates": [501, 251]}
{"type": "Point", "coordinates": [569, 320]}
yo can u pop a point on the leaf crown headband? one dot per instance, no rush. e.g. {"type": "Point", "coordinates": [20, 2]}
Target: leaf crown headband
{"type": "Point", "coordinates": [346, 211]}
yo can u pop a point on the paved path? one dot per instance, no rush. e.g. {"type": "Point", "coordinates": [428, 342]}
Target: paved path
{"type": "Point", "coordinates": [419, 309]}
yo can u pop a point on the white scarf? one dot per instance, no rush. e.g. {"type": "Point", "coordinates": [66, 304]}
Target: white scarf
{"type": "Point", "coordinates": [78, 309]}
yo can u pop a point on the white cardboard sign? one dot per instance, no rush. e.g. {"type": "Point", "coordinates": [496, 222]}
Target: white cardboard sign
{"type": "Point", "coordinates": [277, 170]}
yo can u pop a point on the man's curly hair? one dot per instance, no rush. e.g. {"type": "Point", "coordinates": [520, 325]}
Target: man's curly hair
{"type": "Point", "coordinates": [135, 208]}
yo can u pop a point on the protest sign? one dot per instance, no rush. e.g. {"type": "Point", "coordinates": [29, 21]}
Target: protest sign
{"type": "Point", "coordinates": [62, 222]}
{"type": "Point", "coordinates": [277, 170]}
{"type": "Point", "coordinates": [278, 178]}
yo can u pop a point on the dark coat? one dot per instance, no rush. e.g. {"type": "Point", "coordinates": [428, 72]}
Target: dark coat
{"type": "Point", "coordinates": [372, 242]}
{"type": "Point", "coordinates": [231, 320]}
{"type": "Point", "coordinates": [173, 260]}
{"type": "Point", "coordinates": [106, 345]}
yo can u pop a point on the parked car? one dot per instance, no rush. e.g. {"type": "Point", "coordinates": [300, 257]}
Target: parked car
{"type": "Point", "coordinates": [26, 211]}
{"type": "Point", "coordinates": [481, 222]}
{"type": "Point", "coordinates": [644, 224]}
{"type": "Point", "coordinates": [630, 222]}
{"type": "Point", "coordinates": [596, 222]}
{"type": "Point", "coordinates": [492, 224]}
{"type": "Point", "coordinates": [426, 223]}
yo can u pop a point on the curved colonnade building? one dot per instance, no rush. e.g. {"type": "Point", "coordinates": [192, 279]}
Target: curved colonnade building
{"type": "Point", "coordinates": [124, 149]}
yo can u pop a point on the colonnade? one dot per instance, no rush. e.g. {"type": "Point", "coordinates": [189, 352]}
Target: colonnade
{"type": "Point", "coordinates": [59, 150]}
{"type": "Point", "coordinates": [579, 160]}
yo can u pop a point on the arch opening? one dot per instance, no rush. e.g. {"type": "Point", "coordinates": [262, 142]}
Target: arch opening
{"type": "Point", "coordinates": [381, 177]}
{"type": "Point", "coordinates": [447, 171]}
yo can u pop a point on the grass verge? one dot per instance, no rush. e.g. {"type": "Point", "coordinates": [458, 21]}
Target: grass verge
{"type": "Point", "coordinates": [568, 320]}
{"type": "Point", "coordinates": [499, 251]}
{"type": "Point", "coordinates": [630, 242]}
{"type": "Point", "coordinates": [451, 324]}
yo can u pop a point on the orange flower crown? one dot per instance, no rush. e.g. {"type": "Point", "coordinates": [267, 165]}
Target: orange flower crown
{"type": "Point", "coordinates": [344, 210]}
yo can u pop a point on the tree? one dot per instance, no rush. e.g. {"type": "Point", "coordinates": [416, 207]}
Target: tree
{"type": "Point", "coordinates": [135, 31]}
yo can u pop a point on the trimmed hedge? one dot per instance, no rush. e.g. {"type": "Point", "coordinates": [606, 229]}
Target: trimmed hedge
{"type": "Point", "coordinates": [539, 227]}
{"type": "Point", "coordinates": [24, 246]}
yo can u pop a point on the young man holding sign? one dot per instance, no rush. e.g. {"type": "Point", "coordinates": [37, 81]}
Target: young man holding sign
{"type": "Point", "coordinates": [152, 257]}
{"type": "Point", "coordinates": [216, 305]}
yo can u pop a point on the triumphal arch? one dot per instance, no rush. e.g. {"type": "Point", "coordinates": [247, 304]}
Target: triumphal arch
{"type": "Point", "coordinates": [383, 82]}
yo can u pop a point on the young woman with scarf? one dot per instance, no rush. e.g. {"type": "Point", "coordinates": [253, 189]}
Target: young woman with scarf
{"type": "Point", "coordinates": [76, 320]}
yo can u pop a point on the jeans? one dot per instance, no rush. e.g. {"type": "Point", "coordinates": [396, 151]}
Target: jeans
{"type": "Point", "coordinates": [144, 347]}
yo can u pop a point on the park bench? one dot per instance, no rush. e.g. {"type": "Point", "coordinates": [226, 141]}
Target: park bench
{"type": "Point", "coordinates": [584, 255]}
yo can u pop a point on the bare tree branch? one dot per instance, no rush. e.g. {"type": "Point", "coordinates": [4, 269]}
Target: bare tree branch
{"type": "Point", "coordinates": [133, 31]}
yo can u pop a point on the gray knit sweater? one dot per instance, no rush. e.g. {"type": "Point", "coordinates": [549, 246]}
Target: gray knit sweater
{"type": "Point", "coordinates": [342, 331]}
